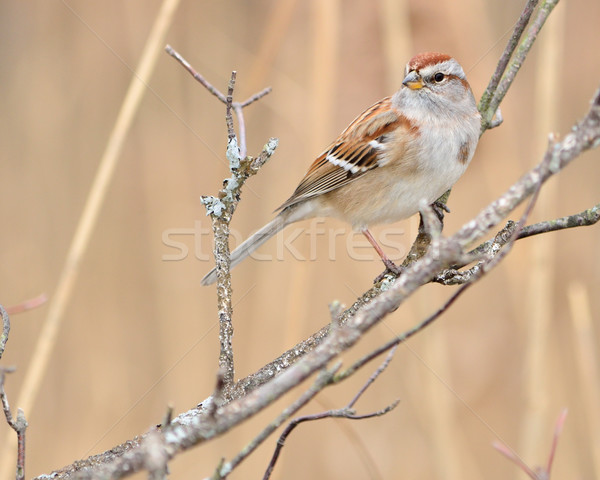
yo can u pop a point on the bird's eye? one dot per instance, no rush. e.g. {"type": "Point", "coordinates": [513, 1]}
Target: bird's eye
{"type": "Point", "coordinates": [438, 77]}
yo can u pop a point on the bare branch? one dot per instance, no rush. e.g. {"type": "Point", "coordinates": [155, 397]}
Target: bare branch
{"type": "Point", "coordinates": [228, 104]}
{"type": "Point", "coordinates": [226, 99]}
{"type": "Point", "coordinates": [538, 473]}
{"type": "Point", "coordinates": [205, 83]}
{"type": "Point", "coordinates": [522, 22]}
{"type": "Point", "coordinates": [492, 101]}
{"type": "Point", "coordinates": [453, 276]}
{"type": "Point", "coordinates": [586, 218]}
{"type": "Point", "coordinates": [222, 208]}
{"type": "Point", "coordinates": [324, 378]}
{"type": "Point", "coordinates": [345, 412]}
{"type": "Point", "coordinates": [5, 330]}
{"type": "Point", "coordinates": [155, 456]}
{"type": "Point", "coordinates": [373, 377]}
{"type": "Point", "coordinates": [19, 425]}
{"type": "Point", "coordinates": [28, 304]}
{"type": "Point", "coordinates": [256, 96]}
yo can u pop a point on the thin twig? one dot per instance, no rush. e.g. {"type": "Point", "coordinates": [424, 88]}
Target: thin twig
{"type": "Point", "coordinates": [5, 329]}
{"type": "Point", "coordinates": [255, 97]}
{"type": "Point", "coordinates": [228, 103]}
{"type": "Point", "coordinates": [507, 54]}
{"type": "Point", "coordinates": [453, 276]}
{"type": "Point", "coordinates": [237, 107]}
{"type": "Point", "coordinates": [205, 83]}
{"type": "Point", "coordinates": [506, 81]}
{"type": "Point", "coordinates": [211, 88]}
{"type": "Point", "coordinates": [218, 396]}
{"type": "Point", "coordinates": [19, 425]}
{"type": "Point", "coordinates": [558, 428]}
{"type": "Point", "coordinates": [344, 412]}
{"type": "Point", "coordinates": [324, 378]}
{"type": "Point", "coordinates": [539, 473]}
{"type": "Point", "coordinates": [222, 257]}
{"type": "Point", "coordinates": [588, 217]}
{"type": "Point", "coordinates": [28, 304]}
{"type": "Point", "coordinates": [221, 210]}
{"type": "Point", "coordinates": [373, 377]}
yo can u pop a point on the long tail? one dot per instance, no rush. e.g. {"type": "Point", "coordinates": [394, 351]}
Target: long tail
{"type": "Point", "coordinates": [252, 243]}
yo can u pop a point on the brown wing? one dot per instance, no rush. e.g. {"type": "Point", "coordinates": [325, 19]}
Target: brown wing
{"type": "Point", "coordinates": [357, 150]}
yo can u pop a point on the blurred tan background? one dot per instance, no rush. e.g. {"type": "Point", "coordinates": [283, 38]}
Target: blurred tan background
{"type": "Point", "coordinates": [140, 332]}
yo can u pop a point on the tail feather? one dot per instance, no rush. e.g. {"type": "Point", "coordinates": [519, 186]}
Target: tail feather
{"type": "Point", "coordinates": [250, 244]}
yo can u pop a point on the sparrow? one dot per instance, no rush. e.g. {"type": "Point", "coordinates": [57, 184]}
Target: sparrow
{"type": "Point", "coordinates": [407, 148]}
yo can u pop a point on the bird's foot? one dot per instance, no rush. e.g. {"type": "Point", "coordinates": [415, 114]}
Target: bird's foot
{"type": "Point", "coordinates": [440, 208]}
{"type": "Point", "coordinates": [390, 269]}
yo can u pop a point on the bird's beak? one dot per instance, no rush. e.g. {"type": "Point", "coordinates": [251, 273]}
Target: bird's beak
{"type": "Point", "coordinates": [413, 80]}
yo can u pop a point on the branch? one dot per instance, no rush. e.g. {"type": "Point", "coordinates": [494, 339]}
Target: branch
{"type": "Point", "coordinates": [583, 219]}
{"type": "Point", "coordinates": [27, 305]}
{"type": "Point", "coordinates": [324, 378]}
{"type": "Point", "coordinates": [497, 89]}
{"type": "Point", "coordinates": [236, 106]}
{"type": "Point", "coordinates": [221, 209]}
{"type": "Point", "coordinates": [522, 22]}
{"type": "Point", "coordinates": [345, 412]}
{"type": "Point", "coordinates": [5, 330]}
{"type": "Point", "coordinates": [454, 276]}
{"type": "Point", "coordinates": [538, 473]}
{"type": "Point", "coordinates": [19, 425]}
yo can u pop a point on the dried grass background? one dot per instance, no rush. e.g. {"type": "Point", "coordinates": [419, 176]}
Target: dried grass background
{"type": "Point", "coordinates": [139, 332]}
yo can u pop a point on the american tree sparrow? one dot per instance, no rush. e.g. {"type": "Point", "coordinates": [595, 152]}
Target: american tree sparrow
{"type": "Point", "coordinates": [406, 148]}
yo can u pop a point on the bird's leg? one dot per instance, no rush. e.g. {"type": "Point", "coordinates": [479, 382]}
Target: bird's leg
{"type": "Point", "coordinates": [390, 267]}
{"type": "Point", "coordinates": [439, 207]}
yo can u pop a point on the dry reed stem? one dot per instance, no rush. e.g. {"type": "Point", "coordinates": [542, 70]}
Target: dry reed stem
{"type": "Point", "coordinates": [588, 359]}
{"type": "Point", "coordinates": [273, 35]}
{"type": "Point", "coordinates": [60, 299]}
{"type": "Point", "coordinates": [540, 303]}
{"type": "Point", "coordinates": [324, 80]}
{"type": "Point", "coordinates": [396, 39]}
{"type": "Point", "coordinates": [442, 427]}
{"type": "Point", "coordinates": [325, 29]}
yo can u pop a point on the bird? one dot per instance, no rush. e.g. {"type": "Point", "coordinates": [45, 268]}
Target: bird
{"type": "Point", "coordinates": [407, 148]}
